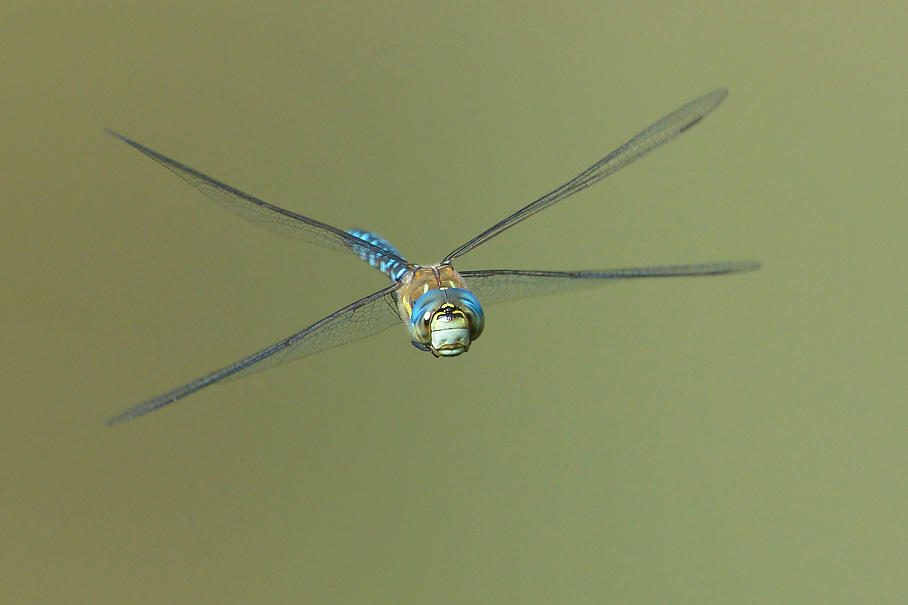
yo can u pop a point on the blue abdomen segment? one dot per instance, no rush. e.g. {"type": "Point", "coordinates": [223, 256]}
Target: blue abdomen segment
{"type": "Point", "coordinates": [390, 267]}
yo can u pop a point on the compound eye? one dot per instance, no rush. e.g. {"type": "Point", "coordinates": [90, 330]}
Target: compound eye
{"type": "Point", "coordinates": [424, 310]}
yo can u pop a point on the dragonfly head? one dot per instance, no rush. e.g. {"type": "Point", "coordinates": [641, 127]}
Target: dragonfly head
{"type": "Point", "coordinates": [446, 321]}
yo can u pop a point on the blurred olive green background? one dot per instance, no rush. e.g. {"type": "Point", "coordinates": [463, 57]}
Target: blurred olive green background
{"type": "Point", "coordinates": [714, 440]}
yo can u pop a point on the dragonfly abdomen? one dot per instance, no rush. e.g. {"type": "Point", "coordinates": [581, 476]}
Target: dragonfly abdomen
{"type": "Point", "coordinates": [389, 266]}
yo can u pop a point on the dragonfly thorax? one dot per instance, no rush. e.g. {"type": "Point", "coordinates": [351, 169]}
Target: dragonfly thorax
{"type": "Point", "coordinates": [445, 321]}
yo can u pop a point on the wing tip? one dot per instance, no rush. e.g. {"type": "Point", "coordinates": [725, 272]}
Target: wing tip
{"type": "Point", "coordinates": [116, 134]}
{"type": "Point", "coordinates": [745, 266]}
{"type": "Point", "coordinates": [115, 420]}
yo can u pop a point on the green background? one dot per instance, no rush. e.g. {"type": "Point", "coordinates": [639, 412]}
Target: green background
{"type": "Point", "coordinates": [714, 440]}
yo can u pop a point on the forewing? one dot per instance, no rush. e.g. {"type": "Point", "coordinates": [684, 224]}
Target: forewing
{"type": "Point", "coordinates": [500, 285]}
{"type": "Point", "coordinates": [363, 318]}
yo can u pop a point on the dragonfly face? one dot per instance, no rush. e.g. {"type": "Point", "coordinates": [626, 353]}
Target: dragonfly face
{"type": "Point", "coordinates": [443, 316]}
{"type": "Point", "coordinates": [446, 321]}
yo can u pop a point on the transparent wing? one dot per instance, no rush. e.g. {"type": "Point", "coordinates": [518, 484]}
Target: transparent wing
{"type": "Point", "coordinates": [365, 317]}
{"type": "Point", "coordinates": [651, 138]}
{"type": "Point", "coordinates": [262, 213]}
{"type": "Point", "coordinates": [500, 285]}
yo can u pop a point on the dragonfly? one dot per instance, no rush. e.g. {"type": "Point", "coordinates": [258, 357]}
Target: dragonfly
{"type": "Point", "coordinates": [440, 306]}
